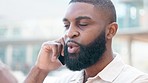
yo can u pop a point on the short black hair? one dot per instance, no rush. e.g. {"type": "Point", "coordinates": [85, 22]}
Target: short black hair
{"type": "Point", "coordinates": [106, 6]}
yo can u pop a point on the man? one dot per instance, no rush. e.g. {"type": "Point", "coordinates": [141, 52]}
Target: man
{"type": "Point", "coordinates": [5, 74]}
{"type": "Point", "coordinates": [86, 46]}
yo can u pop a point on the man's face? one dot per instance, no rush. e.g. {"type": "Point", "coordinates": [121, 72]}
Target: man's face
{"type": "Point", "coordinates": [87, 55]}
{"type": "Point", "coordinates": [85, 36]}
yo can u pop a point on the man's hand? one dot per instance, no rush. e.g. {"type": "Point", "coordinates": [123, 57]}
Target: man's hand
{"type": "Point", "coordinates": [47, 61]}
{"type": "Point", "coordinates": [48, 55]}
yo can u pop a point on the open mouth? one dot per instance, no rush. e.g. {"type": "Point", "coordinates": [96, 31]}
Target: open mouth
{"type": "Point", "coordinates": [73, 47]}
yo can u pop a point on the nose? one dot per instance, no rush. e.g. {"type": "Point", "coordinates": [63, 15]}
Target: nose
{"type": "Point", "coordinates": [72, 32]}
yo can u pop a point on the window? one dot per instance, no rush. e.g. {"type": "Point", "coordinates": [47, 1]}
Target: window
{"type": "Point", "coordinates": [36, 49]}
{"type": "Point", "coordinates": [3, 31]}
{"type": "Point", "coordinates": [17, 32]}
{"type": "Point", "coordinates": [2, 54]}
{"type": "Point", "coordinates": [128, 14]}
{"type": "Point", "coordinates": [19, 57]}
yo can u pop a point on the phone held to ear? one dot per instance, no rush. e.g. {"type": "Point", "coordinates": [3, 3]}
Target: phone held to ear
{"type": "Point", "coordinates": [61, 58]}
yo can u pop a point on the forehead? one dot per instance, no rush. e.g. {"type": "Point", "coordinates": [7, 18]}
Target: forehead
{"type": "Point", "coordinates": [77, 9]}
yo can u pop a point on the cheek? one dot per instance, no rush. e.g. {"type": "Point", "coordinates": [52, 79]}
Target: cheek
{"type": "Point", "coordinates": [88, 37]}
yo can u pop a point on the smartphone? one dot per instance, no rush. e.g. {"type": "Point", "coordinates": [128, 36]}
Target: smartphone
{"type": "Point", "coordinates": [61, 58]}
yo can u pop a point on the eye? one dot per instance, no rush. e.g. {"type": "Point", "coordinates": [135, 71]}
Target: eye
{"type": "Point", "coordinates": [83, 24]}
{"type": "Point", "coordinates": [66, 26]}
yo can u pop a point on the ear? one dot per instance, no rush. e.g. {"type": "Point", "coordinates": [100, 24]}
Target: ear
{"type": "Point", "coordinates": [111, 30]}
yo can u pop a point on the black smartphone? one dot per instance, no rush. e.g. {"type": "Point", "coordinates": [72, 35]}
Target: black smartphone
{"type": "Point", "coordinates": [61, 58]}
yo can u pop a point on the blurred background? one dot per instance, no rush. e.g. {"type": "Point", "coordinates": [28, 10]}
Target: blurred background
{"type": "Point", "coordinates": [26, 24]}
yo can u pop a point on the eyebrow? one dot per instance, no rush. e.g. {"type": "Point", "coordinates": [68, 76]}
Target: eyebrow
{"type": "Point", "coordinates": [65, 19]}
{"type": "Point", "coordinates": [82, 17]}
{"type": "Point", "coordinates": [78, 18]}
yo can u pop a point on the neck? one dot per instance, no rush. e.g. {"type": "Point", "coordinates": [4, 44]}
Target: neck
{"type": "Point", "coordinates": [99, 66]}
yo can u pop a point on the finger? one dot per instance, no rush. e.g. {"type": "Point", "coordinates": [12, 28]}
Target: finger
{"type": "Point", "coordinates": [45, 46]}
{"type": "Point", "coordinates": [50, 48]}
{"type": "Point", "coordinates": [60, 46]}
{"type": "Point", "coordinates": [62, 41]}
{"type": "Point", "coordinates": [56, 49]}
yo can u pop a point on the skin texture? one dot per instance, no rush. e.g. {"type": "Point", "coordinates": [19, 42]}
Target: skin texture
{"type": "Point", "coordinates": [6, 75]}
{"type": "Point", "coordinates": [83, 24]}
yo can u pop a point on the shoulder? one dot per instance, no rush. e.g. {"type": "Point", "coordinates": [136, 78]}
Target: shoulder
{"type": "Point", "coordinates": [134, 75]}
{"type": "Point", "coordinates": [70, 78]}
{"type": "Point", "coordinates": [142, 79]}
{"type": "Point", "coordinates": [67, 76]}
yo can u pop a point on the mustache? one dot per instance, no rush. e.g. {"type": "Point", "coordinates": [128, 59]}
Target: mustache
{"type": "Point", "coordinates": [73, 42]}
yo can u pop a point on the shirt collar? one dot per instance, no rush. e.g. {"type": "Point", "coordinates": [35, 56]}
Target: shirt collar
{"type": "Point", "coordinates": [77, 77]}
{"type": "Point", "coordinates": [112, 70]}
{"type": "Point", "coordinates": [109, 73]}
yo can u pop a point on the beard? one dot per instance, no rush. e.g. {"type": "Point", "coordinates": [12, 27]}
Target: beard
{"type": "Point", "coordinates": [88, 54]}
